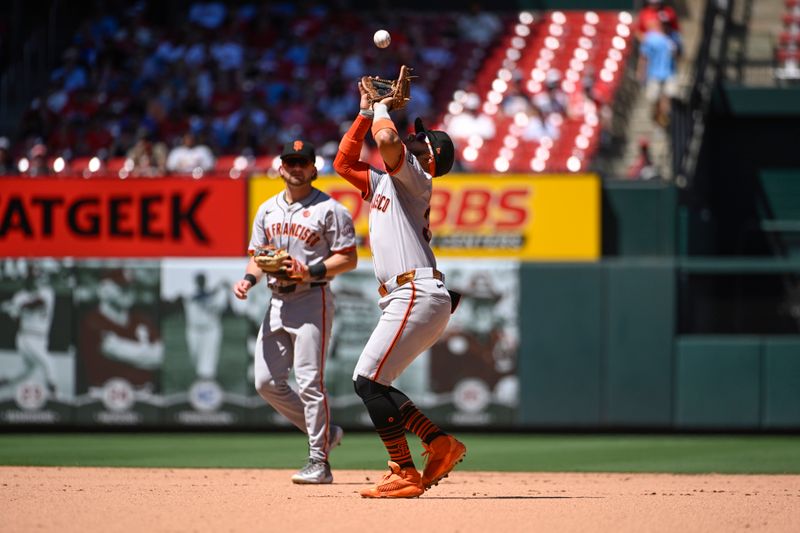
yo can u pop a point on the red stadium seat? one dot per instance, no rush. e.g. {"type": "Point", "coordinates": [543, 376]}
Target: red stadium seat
{"type": "Point", "coordinates": [263, 163]}
{"type": "Point", "coordinates": [224, 164]}
{"type": "Point", "coordinates": [115, 164]}
{"type": "Point", "coordinates": [789, 39]}
{"type": "Point", "coordinates": [79, 165]}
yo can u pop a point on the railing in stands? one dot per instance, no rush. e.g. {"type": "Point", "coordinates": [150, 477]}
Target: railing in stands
{"type": "Point", "coordinates": [688, 118]}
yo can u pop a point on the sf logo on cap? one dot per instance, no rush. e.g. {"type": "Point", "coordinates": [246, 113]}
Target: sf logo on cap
{"type": "Point", "coordinates": [298, 145]}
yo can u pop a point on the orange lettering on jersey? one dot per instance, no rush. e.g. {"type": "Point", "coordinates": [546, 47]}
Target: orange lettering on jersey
{"type": "Point", "coordinates": [380, 202]}
{"type": "Point", "coordinates": [298, 231]}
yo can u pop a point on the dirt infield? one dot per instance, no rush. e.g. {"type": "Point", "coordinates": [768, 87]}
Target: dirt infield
{"type": "Point", "coordinates": [128, 499]}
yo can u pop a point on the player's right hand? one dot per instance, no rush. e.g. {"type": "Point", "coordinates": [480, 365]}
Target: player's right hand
{"type": "Point", "coordinates": [364, 103]}
{"type": "Point", "coordinates": [240, 289]}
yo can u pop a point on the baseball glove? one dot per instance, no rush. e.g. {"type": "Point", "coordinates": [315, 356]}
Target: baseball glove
{"type": "Point", "coordinates": [399, 90]}
{"type": "Point", "coordinates": [270, 260]}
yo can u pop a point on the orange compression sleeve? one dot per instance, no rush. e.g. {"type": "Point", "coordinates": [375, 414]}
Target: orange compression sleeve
{"type": "Point", "coordinates": [347, 163]}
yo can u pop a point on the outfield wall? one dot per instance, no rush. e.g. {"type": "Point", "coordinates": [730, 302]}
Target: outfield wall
{"type": "Point", "coordinates": [557, 343]}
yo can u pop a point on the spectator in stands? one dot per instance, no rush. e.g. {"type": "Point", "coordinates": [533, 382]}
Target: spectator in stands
{"type": "Point", "coordinates": [657, 70]}
{"type": "Point", "coordinates": [643, 167]}
{"type": "Point", "coordinates": [479, 26]}
{"type": "Point", "coordinates": [72, 75]}
{"type": "Point", "coordinates": [515, 100]}
{"type": "Point", "coordinates": [209, 15]}
{"type": "Point", "coordinates": [657, 10]}
{"type": "Point", "coordinates": [421, 104]}
{"type": "Point", "coordinates": [470, 123]}
{"type": "Point", "coordinates": [539, 126]}
{"type": "Point", "coordinates": [149, 156]}
{"type": "Point", "coordinates": [38, 161]}
{"type": "Point", "coordinates": [6, 162]}
{"type": "Point", "coordinates": [189, 155]}
{"type": "Point", "coordinates": [552, 99]}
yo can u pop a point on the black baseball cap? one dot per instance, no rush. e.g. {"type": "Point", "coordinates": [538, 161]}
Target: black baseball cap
{"type": "Point", "coordinates": [299, 148]}
{"type": "Point", "coordinates": [442, 146]}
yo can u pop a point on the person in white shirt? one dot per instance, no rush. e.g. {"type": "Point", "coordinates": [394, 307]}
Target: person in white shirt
{"type": "Point", "coordinates": [187, 157]}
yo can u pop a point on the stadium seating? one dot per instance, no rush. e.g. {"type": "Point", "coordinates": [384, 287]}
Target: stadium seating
{"type": "Point", "coordinates": [585, 51]}
{"type": "Point", "coordinates": [242, 86]}
{"type": "Point", "coordinates": [787, 53]}
{"type": "Point", "coordinates": [251, 110]}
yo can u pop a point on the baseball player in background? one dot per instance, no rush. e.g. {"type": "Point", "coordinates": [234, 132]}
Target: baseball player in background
{"type": "Point", "coordinates": [117, 341]}
{"type": "Point", "coordinates": [414, 302]}
{"type": "Point", "coordinates": [203, 309]}
{"type": "Point", "coordinates": [33, 308]}
{"type": "Point", "coordinates": [318, 233]}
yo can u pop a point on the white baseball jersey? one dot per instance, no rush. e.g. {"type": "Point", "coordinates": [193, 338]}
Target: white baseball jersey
{"type": "Point", "coordinates": [297, 328]}
{"type": "Point", "coordinates": [310, 230]}
{"type": "Point", "coordinates": [35, 311]}
{"type": "Point", "coordinates": [415, 314]}
{"type": "Point", "coordinates": [36, 318]}
{"type": "Point", "coordinates": [204, 329]}
{"type": "Point", "coordinates": [399, 227]}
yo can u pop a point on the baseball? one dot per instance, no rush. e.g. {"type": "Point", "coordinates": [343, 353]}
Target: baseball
{"type": "Point", "coordinates": [382, 38]}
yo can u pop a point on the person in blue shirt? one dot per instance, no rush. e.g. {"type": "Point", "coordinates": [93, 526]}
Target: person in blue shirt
{"type": "Point", "coordinates": [657, 70]}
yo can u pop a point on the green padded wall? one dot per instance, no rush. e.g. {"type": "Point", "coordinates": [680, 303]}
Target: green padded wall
{"type": "Point", "coordinates": [781, 383]}
{"type": "Point", "coordinates": [718, 382]}
{"type": "Point", "coordinates": [641, 325]}
{"type": "Point", "coordinates": [562, 336]}
{"type": "Point", "coordinates": [638, 218]}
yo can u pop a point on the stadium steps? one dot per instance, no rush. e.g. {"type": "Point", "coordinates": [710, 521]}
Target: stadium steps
{"type": "Point", "coordinates": [641, 125]}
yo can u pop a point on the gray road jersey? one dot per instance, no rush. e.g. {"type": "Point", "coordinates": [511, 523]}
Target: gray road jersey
{"type": "Point", "coordinates": [310, 230]}
{"type": "Point", "coordinates": [399, 232]}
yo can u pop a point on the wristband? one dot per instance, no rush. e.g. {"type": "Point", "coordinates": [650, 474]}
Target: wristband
{"type": "Point", "coordinates": [318, 270]}
{"type": "Point", "coordinates": [251, 278]}
{"type": "Point", "coordinates": [367, 113]}
{"type": "Point", "coordinates": [380, 111]}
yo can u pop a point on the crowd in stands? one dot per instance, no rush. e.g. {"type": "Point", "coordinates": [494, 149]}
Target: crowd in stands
{"type": "Point", "coordinates": [227, 79]}
{"type": "Point", "coordinates": [224, 82]}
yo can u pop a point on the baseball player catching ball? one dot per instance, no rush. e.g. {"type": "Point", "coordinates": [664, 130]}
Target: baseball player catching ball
{"type": "Point", "coordinates": [318, 234]}
{"type": "Point", "coordinates": [414, 302]}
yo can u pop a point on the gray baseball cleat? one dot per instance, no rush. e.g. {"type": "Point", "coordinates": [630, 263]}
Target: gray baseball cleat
{"type": "Point", "coordinates": [316, 472]}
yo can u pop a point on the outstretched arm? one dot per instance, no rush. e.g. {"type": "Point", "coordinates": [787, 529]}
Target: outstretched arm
{"type": "Point", "coordinates": [385, 133]}
{"type": "Point", "coordinates": [347, 163]}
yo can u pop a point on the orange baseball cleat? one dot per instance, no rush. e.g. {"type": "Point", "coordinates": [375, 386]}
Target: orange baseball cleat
{"type": "Point", "coordinates": [443, 454]}
{"type": "Point", "coordinates": [398, 483]}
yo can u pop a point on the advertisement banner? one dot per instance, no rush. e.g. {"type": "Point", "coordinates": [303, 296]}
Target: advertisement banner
{"type": "Point", "coordinates": [37, 356]}
{"type": "Point", "coordinates": [538, 218]}
{"type": "Point", "coordinates": [51, 217]}
{"type": "Point", "coordinates": [209, 335]}
{"type": "Point", "coordinates": [120, 350]}
{"type": "Point", "coordinates": [467, 378]}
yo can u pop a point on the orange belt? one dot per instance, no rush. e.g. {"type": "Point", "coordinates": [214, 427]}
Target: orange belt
{"type": "Point", "coordinates": [404, 278]}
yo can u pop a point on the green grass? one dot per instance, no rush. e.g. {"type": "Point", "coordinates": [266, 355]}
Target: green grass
{"type": "Point", "coordinates": [500, 452]}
